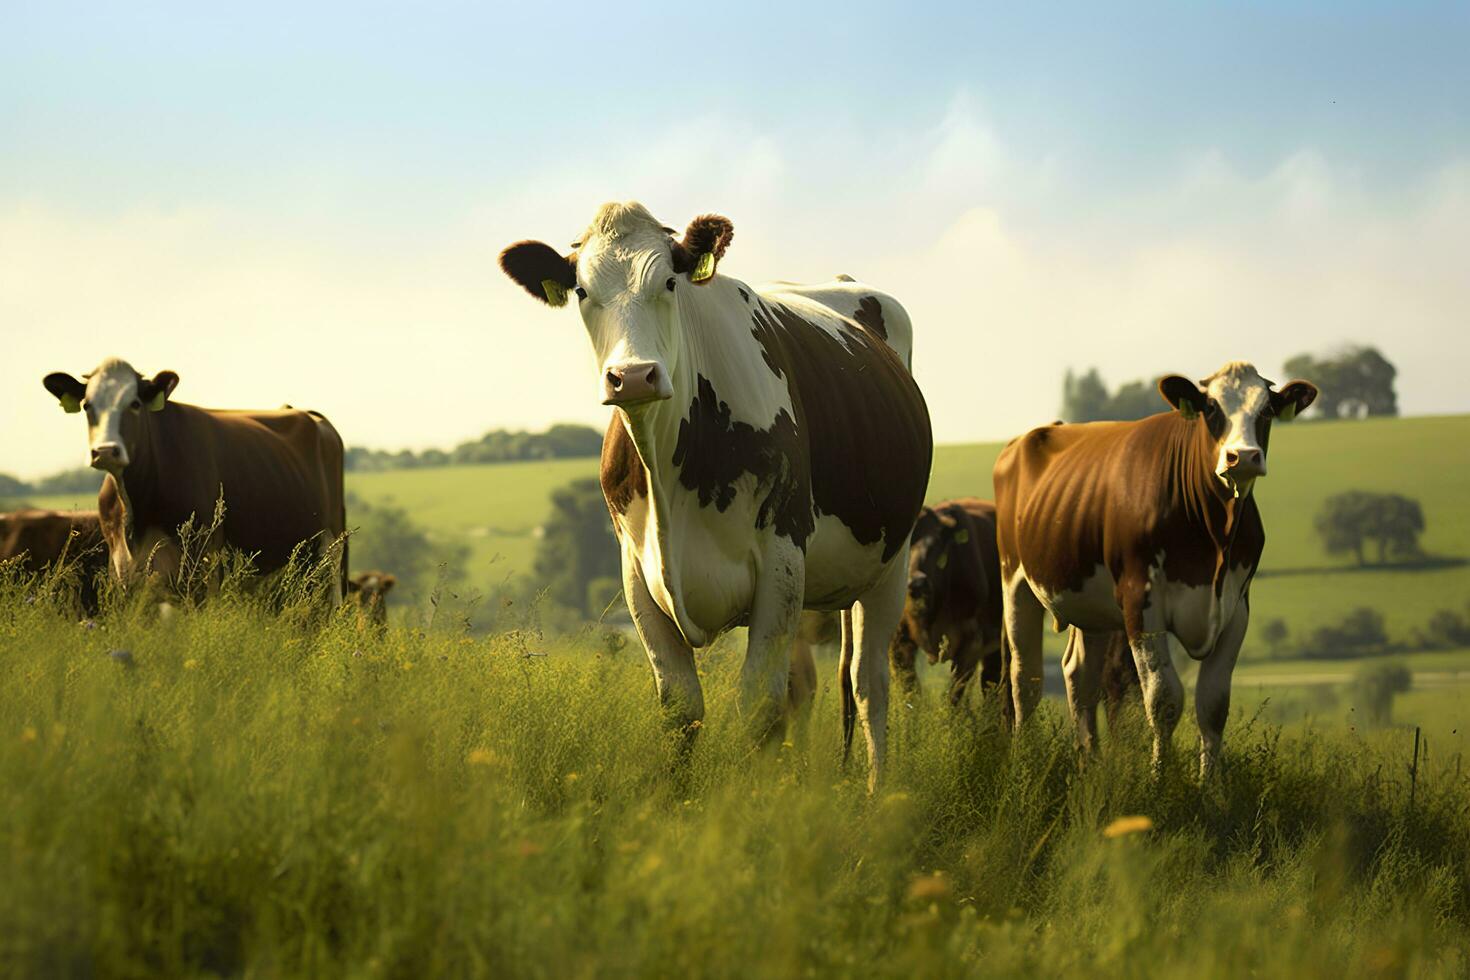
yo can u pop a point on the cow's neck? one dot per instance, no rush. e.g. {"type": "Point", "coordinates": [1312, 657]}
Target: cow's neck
{"type": "Point", "coordinates": [138, 484]}
{"type": "Point", "coordinates": [1208, 501]}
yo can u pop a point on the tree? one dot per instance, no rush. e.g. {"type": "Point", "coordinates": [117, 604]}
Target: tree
{"type": "Point", "coordinates": [577, 546]}
{"type": "Point", "coordinates": [1361, 633]}
{"type": "Point", "coordinates": [11, 487]}
{"type": "Point", "coordinates": [1349, 520]}
{"type": "Point", "coordinates": [1375, 687]}
{"type": "Point", "coordinates": [1136, 400]}
{"type": "Point", "coordinates": [386, 538]}
{"type": "Point", "coordinates": [1084, 397]}
{"type": "Point", "coordinates": [1354, 382]}
{"type": "Point", "coordinates": [1275, 632]}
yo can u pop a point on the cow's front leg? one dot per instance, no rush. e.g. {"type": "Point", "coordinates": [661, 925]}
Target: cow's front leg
{"type": "Point", "coordinates": [963, 664]}
{"type": "Point", "coordinates": [669, 654]}
{"type": "Point", "coordinates": [780, 589]}
{"type": "Point", "coordinates": [1212, 691]}
{"type": "Point", "coordinates": [902, 654]}
{"type": "Point", "coordinates": [1163, 694]}
{"type": "Point", "coordinates": [874, 617]}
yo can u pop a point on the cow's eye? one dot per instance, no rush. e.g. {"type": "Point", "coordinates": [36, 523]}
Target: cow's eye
{"type": "Point", "coordinates": [670, 284]}
{"type": "Point", "coordinates": [135, 405]}
{"type": "Point", "coordinates": [581, 293]}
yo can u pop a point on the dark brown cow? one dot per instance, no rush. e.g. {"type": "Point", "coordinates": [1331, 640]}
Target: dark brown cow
{"type": "Point", "coordinates": [1149, 527]}
{"type": "Point", "coordinates": [47, 536]}
{"type": "Point", "coordinates": [279, 472]}
{"type": "Point", "coordinates": [369, 590]}
{"type": "Point", "coordinates": [953, 611]}
{"type": "Point", "coordinates": [768, 453]}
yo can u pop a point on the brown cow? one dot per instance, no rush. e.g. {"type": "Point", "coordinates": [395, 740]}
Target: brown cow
{"type": "Point", "coordinates": [1149, 527]}
{"type": "Point", "coordinates": [369, 590]}
{"type": "Point", "coordinates": [43, 537]}
{"type": "Point", "coordinates": [279, 472]}
{"type": "Point", "coordinates": [953, 608]}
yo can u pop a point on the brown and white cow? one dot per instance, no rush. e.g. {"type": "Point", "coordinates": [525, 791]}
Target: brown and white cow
{"type": "Point", "coordinates": [768, 452]}
{"type": "Point", "coordinates": [279, 472]}
{"type": "Point", "coordinates": [43, 537]}
{"type": "Point", "coordinates": [1150, 527]}
{"type": "Point", "coordinates": [954, 607]}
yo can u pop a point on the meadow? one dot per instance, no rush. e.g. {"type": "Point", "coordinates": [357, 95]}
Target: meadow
{"type": "Point", "coordinates": [496, 509]}
{"type": "Point", "coordinates": [252, 791]}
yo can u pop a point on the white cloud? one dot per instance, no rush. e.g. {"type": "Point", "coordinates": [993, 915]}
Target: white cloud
{"type": "Point", "coordinates": [1014, 265]}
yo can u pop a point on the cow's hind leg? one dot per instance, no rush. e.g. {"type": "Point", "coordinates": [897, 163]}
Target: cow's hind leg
{"type": "Point", "coordinates": [1212, 692]}
{"type": "Point", "coordinates": [1023, 622]}
{"type": "Point", "coordinates": [1082, 670]}
{"type": "Point", "coordinates": [670, 656]}
{"type": "Point", "coordinates": [874, 618]}
{"type": "Point", "coordinates": [775, 611]}
{"type": "Point", "coordinates": [963, 664]}
{"type": "Point", "coordinates": [1163, 694]}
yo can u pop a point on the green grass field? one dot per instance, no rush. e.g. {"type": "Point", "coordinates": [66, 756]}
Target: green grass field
{"type": "Point", "coordinates": [496, 509]}
{"type": "Point", "coordinates": [248, 794]}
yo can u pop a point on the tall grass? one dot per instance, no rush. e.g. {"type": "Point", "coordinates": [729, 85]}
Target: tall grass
{"type": "Point", "coordinates": [261, 790]}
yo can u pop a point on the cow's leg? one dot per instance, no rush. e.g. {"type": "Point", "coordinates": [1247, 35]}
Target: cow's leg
{"type": "Point", "coordinates": [902, 651]}
{"type": "Point", "coordinates": [1163, 694]}
{"type": "Point", "coordinates": [780, 589]}
{"type": "Point", "coordinates": [874, 617]}
{"type": "Point", "coordinates": [1023, 621]}
{"type": "Point", "coordinates": [1212, 691]}
{"type": "Point", "coordinates": [962, 665]}
{"type": "Point", "coordinates": [844, 685]}
{"type": "Point", "coordinates": [1082, 670]}
{"type": "Point", "coordinates": [670, 656]}
{"type": "Point", "coordinates": [801, 686]}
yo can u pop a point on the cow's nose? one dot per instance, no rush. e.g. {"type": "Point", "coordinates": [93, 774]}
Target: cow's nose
{"type": "Point", "coordinates": [1245, 461]}
{"type": "Point", "coordinates": [633, 382]}
{"type": "Point", "coordinates": [106, 454]}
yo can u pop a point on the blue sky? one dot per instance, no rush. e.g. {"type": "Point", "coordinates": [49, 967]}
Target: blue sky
{"type": "Point", "coordinates": [304, 205]}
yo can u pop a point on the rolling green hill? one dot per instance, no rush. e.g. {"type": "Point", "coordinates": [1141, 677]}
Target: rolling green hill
{"type": "Point", "coordinates": [497, 509]}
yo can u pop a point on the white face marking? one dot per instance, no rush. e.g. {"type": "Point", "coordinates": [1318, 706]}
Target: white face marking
{"type": "Point", "coordinates": [624, 267]}
{"type": "Point", "coordinates": [112, 398]}
{"type": "Point", "coordinates": [1240, 394]}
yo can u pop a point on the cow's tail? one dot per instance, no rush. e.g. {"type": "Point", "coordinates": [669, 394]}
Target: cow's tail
{"type": "Point", "coordinates": [844, 684]}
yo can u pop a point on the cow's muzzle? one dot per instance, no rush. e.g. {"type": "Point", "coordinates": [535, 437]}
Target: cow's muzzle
{"type": "Point", "coordinates": [109, 456]}
{"type": "Point", "coordinates": [1245, 464]}
{"type": "Point", "coordinates": [635, 382]}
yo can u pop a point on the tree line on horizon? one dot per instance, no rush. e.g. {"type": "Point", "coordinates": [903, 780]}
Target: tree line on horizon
{"type": "Point", "coordinates": [1353, 382]}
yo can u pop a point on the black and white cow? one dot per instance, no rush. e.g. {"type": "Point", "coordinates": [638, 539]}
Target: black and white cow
{"type": "Point", "coordinates": [769, 451]}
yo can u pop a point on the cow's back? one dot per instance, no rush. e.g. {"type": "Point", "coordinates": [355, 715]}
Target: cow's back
{"type": "Point", "coordinates": [859, 414]}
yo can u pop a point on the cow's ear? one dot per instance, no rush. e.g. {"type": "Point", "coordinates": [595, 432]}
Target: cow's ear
{"type": "Point", "coordinates": [1293, 399]}
{"type": "Point", "coordinates": [354, 585]}
{"type": "Point", "coordinates": [1183, 394]}
{"type": "Point", "coordinates": [541, 270]}
{"type": "Point", "coordinates": [68, 390]}
{"type": "Point", "coordinates": [154, 391]}
{"type": "Point", "coordinates": [704, 244]}
{"type": "Point", "coordinates": [386, 582]}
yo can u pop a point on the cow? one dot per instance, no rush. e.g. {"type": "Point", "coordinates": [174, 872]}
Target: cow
{"type": "Point", "coordinates": [279, 473]}
{"type": "Point", "coordinates": [369, 590]}
{"type": "Point", "coordinates": [953, 608]}
{"type": "Point", "coordinates": [768, 452]}
{"type": "Point", "coordinates": [40, 538]}
{"type": "Point", "coordinates": [1150, 527]}
{"type": "Point", "coordinates": [1118, 681]}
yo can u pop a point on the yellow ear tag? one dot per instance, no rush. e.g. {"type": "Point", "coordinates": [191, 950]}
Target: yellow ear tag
{"type": "Point", "coordinates": [962, 536]}
{"type": "Point", "coordinates": [155, 404]}
{"type": "Point", "coordinates": [943, 561]}
{"type": "Point", "coordinates": [1187, 410]}
{"type": "Point", "coordinates": [1288, 413]}
{"type": "Point", "coordinates": [70, 404]}
{"type": "Point", "coordinates": [704, 268]}
{"type": "Point", "coordinates": [556, 293]}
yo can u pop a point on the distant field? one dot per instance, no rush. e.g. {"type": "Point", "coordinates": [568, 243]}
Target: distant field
{"type": "Point", "coordinates": [497, 508]}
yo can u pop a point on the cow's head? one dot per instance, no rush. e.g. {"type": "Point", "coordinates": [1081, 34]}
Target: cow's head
{"type": "Point", "coordinates": [1236, 406]}
{"type": "Point", "coordinates": [626, 274]}
{"type": "Point", "coordinates": [937, 540]}
{"type": "Point", "coordinates": [370, 591]}
{"type": "Point", "coordinates": [114, 397]}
